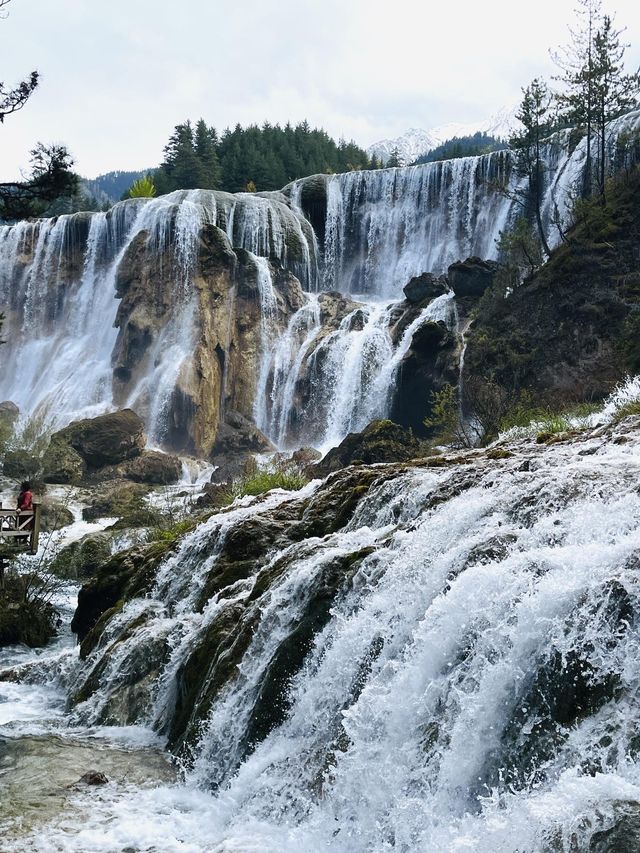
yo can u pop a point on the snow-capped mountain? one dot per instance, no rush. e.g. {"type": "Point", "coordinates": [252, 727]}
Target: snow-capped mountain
{"type": "Point", "coordinates": [415, 142]}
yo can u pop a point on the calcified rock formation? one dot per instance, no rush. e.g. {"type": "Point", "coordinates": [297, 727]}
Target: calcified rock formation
{"type": "Point", "coordinates": [186, 306]}
{"type": "Point", "coordinates": [212, 331]}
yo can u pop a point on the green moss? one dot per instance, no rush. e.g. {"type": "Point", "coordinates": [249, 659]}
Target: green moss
{"type": "Point", "coordinates": [499, 453]}
{"type": "Point", "coordinates": [24, 617]}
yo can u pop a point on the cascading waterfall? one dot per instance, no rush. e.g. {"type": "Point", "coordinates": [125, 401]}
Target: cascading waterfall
{"type": "Point", "coordinates": [284, 367]}
{"type": "Point", "coordinates": [57, 282]}
{"type": "Point", "coordinates": [472, 685]}
{"type": "Point", "coordinates": [385, 227]}
{"type": "Point", "coordinates": [268, 331]}
{"type": "Point", "coordinates": [350, 374]}
{"type": "Point", "coordinates": [57, 287]}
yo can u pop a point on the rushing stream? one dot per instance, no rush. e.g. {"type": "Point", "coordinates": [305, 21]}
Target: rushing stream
{"type": "Point", "coordinates": [473, 685]}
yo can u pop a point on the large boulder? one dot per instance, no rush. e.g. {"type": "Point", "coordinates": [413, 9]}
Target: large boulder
{"type": "Point", "coordinates": [120, 499]}
{"type": "Point", "coordinates": [9, 413]}
{"type": "Point", "coordinates": [430, 363]}
{"type": "Point", "coordinates": [62, 464]}
{"type": "Point", "coordinates": [380, 441]}
{"type": "Point", "coordinates": [21, 465]}
{"type": "Point", "coordinates": [83, 558]}
{"type": "Point", "coordinates": [106, 440]}
{"type": "Point", "coordinates": [425, 286]}
{"type": "Point", "coordinates": [152, 467]}
{"type": "Point", "coordinates": [54, 516]}
{"type": "Point", "coordinates": [472, 277]}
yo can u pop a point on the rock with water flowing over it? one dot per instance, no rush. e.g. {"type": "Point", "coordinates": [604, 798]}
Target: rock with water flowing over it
{"type": "Point", "coordinates": [431, 362]}
{"type": "Point", "coordinates": [9, 413]}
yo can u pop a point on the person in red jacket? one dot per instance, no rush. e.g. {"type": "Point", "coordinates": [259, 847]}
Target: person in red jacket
{"type": "Point", "coordinates": [25, 498]}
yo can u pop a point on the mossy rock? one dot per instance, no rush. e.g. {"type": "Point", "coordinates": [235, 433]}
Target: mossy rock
{"type": "Point", "coordinates": [126, 575]}
{"type": "Point", "coordinates": [380, 441]}
{"type": "Point", "coordinates": [21, 465]}
{"type": "Point", "coordinates": [62, 464]}
{"type": "Point", "coordinates": [54, 516]}
{"type": "Point", "coordinates": [106, 440]}
{"type": "Point", "coordinates": [119, 499]}
{"type": "Point", "coordinates": [82, 559]}
{"type": "Point", "coordinates": [30, 621]}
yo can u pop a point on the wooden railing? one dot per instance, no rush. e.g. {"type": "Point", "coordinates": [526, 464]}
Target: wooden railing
{"type": "Point", "coordinates": [19, 530]}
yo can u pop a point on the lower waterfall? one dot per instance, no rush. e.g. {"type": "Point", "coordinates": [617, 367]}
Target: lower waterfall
{"type": "Point", "coordinates": [455, 668]}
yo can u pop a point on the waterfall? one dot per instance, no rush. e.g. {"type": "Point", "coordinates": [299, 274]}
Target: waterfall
{"type": "Point", "coordinates": [60, 331]}
{"type": "Point", "coordinates": [468, 672]}
{"type": "Point", "coordinates": [350, 374]}
{"type": "Point", "coordinates": [284, 367]}
{"type": "Point", "coordinates": [268, 331]}
{"type": "Point", "coordinates": [58, 290]}
{"type": "Point", "coordinates": [375, 230]}
{"type": "Point", "coordinates": [385, 227]}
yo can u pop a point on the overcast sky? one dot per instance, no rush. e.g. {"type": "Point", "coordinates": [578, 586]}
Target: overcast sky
{"type": "Point", "coordinates": [118, 75]}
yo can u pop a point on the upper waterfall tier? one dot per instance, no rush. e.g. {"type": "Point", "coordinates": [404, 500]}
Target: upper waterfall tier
{"type": "Point", "coordinates": [184, 306]}
{"type": "Point", "coordinates": [61, 280]}
{"type": "Point", "coordinates": [379, 229]}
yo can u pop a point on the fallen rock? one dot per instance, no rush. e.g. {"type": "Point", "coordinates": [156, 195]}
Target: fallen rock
{"type": "Point", "coordinates": [305, 456]}
{"type": "Point", "coordinates": [106, 440]}
{"type": "Point", "coordinates": [62, 464]}
{"type": "Point", "coordinates": [21, 465]}
{"type": "Point", "coordinates": [472, 277]}
{"type": "Point", "coordinates": [54, 516]}
{"type": "Point", "coordinates": [9, 412]}
{"type": "Point", "coordinates": [119, 499]}
{"type": "Point", "coordinates": [152, 467]}
{"type": "Point", "coordinates": [236, 442]}
{"type": "Point", "coordinates": [93, 777]}
{"type": "Point", "coordinates": [425, 286]}
{"type": "Point", "coordinates": [82, 559]}
{"type": "Point", "coordinates": [380, 441]}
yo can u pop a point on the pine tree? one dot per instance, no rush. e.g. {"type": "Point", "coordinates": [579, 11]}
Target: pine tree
{"type": "Point", "coordinates": [206, 142]}
{"type": "Point", "coordinates": [576, 62]}
{"type": "Point", "coordinates": [534, 114]}
{"type": "Point", "coordinates": [614, 91]}
{"type": "Point", "coordinates": [394, 159]}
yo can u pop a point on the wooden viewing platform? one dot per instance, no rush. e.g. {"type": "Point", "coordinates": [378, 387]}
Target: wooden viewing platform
{"type": "Point", "coordinates": [19, 534]}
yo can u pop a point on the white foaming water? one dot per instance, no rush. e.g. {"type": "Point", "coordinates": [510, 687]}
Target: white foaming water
{"type": "Point", "coordinates": [284, 367]}
{"type": "Point", "coordinates": [384, 227]}
{"type": "Point", "coordinates": [351, 374]}
{"type": "Point", "coordinates": [57, 280]}
{"type": "Point", "coordinates": [57, 288]}
{"type": "Point", "coordinates": [433, 710]}
{"type": "Point", "coordinates": [268, 334]}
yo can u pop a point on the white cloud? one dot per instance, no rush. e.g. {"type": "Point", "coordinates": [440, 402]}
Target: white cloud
{"type": "Point", "coordinates": [118, 76]}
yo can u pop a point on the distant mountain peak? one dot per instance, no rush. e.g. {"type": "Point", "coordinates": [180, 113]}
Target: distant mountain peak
{"type": "Point", "coordinates": [416, 142]}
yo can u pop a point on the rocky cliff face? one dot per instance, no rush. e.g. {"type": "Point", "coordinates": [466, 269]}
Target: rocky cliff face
{"type": "Point", "coordinates": [215, 330]}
